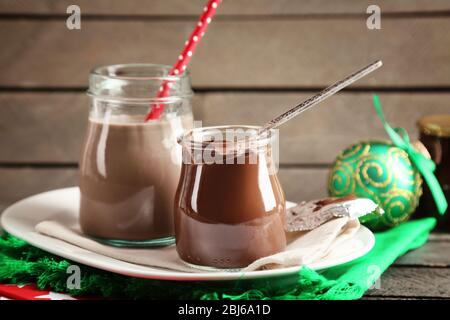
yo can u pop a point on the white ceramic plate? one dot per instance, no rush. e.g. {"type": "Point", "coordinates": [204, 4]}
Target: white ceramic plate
{"type": "Point", "coordinates": [62, 205]}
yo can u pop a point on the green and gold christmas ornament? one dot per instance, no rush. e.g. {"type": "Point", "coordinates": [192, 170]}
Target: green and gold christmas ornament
{"type": "Point", "coordinates": [388, 172]}
{"type": "Point", "coordinates": [380, 171]}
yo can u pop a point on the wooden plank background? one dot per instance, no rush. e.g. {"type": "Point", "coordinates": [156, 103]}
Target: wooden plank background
{"type": "Point", "coordinates": [257, 58]}
{"type": "Point", "coordinates": [277, 53]}
{"type": "Point", "coordinates": [231, 7]}
{"type": "Point", "coordinates": [314, 138]}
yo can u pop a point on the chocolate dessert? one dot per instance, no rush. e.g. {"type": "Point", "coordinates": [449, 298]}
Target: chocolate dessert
{"type": "Point", "coordinates": [229, 215]}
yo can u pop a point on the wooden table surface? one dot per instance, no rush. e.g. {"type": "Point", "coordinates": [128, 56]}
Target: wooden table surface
{"type": "Point", "coordinates": [420, 274]}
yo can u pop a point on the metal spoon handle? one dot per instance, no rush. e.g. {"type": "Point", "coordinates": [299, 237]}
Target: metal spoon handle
{"type": "Point", "coordinates": [319, 97]}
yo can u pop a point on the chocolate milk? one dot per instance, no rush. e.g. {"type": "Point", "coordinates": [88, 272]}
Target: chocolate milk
{"type": "Point", "coordinates": [129, 172]}
{"type": "Point", "coordinates": [229, 215]}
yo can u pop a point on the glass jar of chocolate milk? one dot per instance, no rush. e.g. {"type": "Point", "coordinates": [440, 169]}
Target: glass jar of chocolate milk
{"type": "Point", "coordinates": [229, 206]}
{"type": "Point", "coordinates": [129, 167]}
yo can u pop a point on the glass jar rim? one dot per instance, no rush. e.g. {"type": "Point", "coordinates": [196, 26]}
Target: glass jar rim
{"type": "Point", "coordinates": [188, 139]}
{"type": "Point", "coordinates": [140, 76]}
{"type": "Point", "coordinates": [435, 125]}
{"type": "Point", "coordinates": [99, 70]}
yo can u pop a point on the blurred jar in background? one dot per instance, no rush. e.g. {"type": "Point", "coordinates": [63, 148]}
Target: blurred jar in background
{"type": "Point", "coordinates": [435, 135]}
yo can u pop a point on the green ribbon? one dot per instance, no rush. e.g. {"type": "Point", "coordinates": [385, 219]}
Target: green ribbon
{"type": "Point", "coordinates": [425, 166]}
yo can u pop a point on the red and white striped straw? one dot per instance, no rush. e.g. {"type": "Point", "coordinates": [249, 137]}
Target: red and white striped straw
{"type": "Point", "coordinates": [185, 57]}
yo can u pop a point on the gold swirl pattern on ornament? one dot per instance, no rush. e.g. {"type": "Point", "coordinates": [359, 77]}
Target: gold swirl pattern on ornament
{"type": "Point", "coordinates": [417, 193]}
{"type": "Point", "coordinates": [400, 157]}
{"type": "Point", "coordinates": [402, 199]}
{"type": "Point", "coordinates": [363, 177]}
{"type": "Point", "coordinates": [341, 175]}
{"type": "Point", "coordinates": [398, 153]}
{"type": "Point", "coordinates": [356, 151]}
{"type": "Point", "coordinates": [418, 190]}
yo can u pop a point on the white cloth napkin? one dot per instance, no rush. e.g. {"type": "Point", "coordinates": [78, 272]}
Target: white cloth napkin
{"type": "Point", "coordinates": [332, 239]}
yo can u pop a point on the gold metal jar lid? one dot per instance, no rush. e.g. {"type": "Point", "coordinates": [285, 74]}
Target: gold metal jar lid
{"type": "Point", "coordinates": [435, 125]}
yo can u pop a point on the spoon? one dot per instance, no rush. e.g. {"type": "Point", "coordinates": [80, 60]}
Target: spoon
{"type": "Point", "coordinates": [319, 97]}
{"type": "Point", "coordinates": [310, 102]}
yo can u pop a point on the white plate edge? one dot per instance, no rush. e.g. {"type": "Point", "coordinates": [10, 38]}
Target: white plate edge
{"type": "Point", "coordinates": [172, 275]}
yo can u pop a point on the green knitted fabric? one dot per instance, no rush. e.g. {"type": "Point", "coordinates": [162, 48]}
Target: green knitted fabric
{"type": "Point", "coordinates": [22, 263]}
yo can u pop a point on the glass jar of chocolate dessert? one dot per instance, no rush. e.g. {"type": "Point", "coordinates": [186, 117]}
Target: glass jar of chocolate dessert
{"type": "Point", "coordinates": [229, 206]}
{"type": "Point", "coordinates": [435, 136]}
{"type": "Point", "coordinates": [129, 167]}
